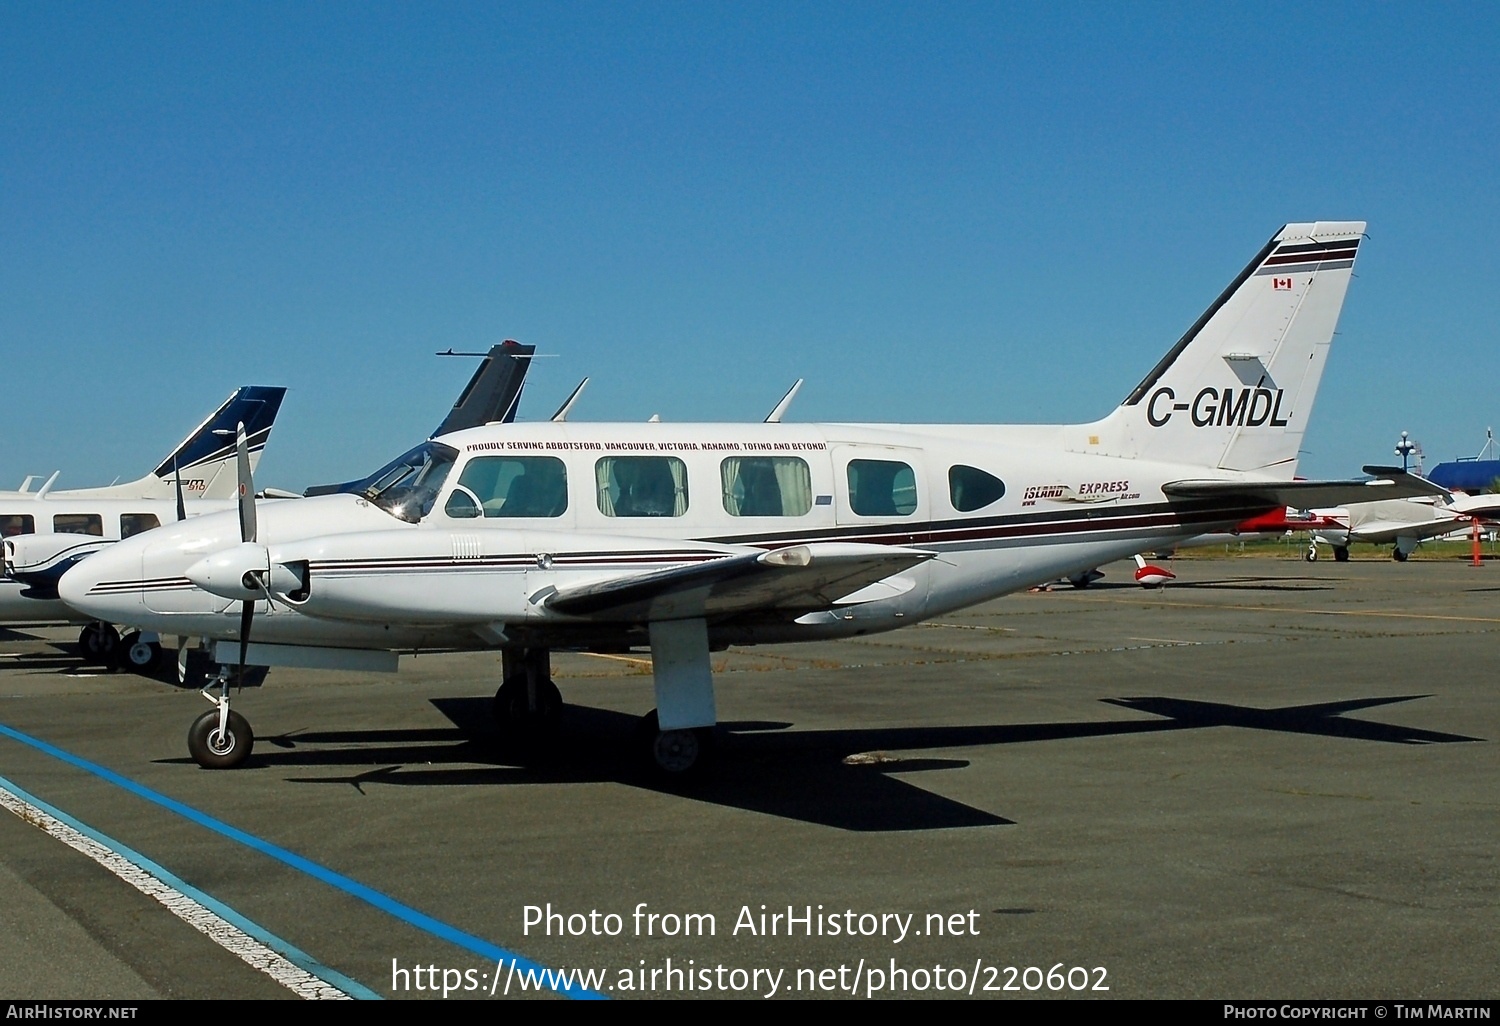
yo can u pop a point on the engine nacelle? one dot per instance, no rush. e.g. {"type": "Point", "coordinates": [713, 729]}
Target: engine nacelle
{"type": "Point", "coordinates": [234, 573]}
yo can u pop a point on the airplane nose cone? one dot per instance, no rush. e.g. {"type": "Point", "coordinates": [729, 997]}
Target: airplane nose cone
{"type": "Point", "coordinates": [77, 586]}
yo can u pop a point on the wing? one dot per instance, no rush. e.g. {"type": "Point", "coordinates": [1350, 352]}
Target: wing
{"type": "Point", "coordinates": [789, 581]}
{"type": "Point", "coordinates": [1378, 531]}
{"type": "Point", "coordinates": [1390, 483]}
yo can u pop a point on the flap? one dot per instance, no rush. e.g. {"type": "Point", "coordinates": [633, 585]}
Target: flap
{"type": "Point", "coordinates": [793, 580]}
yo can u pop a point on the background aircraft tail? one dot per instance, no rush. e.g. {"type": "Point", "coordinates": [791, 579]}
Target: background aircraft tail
{"type": "Point", "coordinates": [1236, 391]}
{"type": "Point", "coordinates": [206, 457]}
{"type": "Point", "coordinates": [494, 392]}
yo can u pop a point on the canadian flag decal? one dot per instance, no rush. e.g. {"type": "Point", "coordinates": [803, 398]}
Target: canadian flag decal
{"type": "Point", "coordinates": [1281, 284]}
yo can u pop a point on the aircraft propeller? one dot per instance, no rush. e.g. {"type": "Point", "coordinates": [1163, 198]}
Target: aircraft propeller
{"type": "Point", "coordinates": [253, 580]}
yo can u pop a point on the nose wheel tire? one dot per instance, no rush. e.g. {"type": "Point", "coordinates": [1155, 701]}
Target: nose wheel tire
{"type": "Point", "coordinates": [215, 749]}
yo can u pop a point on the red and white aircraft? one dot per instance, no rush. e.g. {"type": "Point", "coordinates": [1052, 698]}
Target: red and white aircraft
{"type": "Point", "coordinates": [686, 538]}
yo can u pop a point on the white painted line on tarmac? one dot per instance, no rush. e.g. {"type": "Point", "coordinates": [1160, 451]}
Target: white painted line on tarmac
{"type": "Point", "coordinates": [192, 908]}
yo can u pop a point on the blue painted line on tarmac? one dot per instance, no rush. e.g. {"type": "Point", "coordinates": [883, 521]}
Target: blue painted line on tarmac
{"type": "Point", "coordinates": [421, 920]}
{"type": "Point", "coordinates": [286, 949]}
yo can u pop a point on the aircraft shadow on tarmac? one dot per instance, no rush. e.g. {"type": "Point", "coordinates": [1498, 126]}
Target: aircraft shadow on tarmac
{"type": "Point", "coordinates": [836, 778]}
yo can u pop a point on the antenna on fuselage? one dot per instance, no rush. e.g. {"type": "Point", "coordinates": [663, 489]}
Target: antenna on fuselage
{"type": "Point", "coordinates": [774, 417]}
{"type": "Point", "coordinates": [563, 410]}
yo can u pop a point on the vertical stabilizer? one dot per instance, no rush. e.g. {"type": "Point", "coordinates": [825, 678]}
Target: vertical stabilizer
{"type": "Point", "coordinates": [206, 458]}
{"type": "Point", "coordinates": [1236, 391]}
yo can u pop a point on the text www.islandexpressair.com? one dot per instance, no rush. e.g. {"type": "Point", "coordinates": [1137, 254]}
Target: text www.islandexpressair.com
{"type": "Point", "coordinates": [865, 978]}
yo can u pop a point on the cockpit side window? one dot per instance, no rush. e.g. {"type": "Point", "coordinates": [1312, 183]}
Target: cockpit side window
{"type": "Point", "coordinates": [510, 486]}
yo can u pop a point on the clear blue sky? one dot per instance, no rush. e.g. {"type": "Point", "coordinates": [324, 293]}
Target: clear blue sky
{"type": "Point", "coordinates": [993, 212]}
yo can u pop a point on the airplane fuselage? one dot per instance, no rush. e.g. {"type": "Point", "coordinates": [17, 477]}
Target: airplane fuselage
{"type": "Point", "coordinates": [1004, 508]}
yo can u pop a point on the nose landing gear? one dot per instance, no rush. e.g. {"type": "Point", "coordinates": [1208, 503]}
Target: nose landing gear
{"type": "Point", "coordinates": [220, 738]}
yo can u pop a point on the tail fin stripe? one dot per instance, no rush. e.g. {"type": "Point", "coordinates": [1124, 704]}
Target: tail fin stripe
{"type": "Point", "coordinates": [1317, 265]}
{"type": "Point", "coordinates": [1313, 247]}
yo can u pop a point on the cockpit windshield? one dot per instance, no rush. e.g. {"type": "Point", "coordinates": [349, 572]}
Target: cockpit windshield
{"type": "Point", "coordinates": [407, 487]}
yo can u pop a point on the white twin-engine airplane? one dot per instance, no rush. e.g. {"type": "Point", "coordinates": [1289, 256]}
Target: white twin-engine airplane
{"type": "Point", "coordinates": [690, 537]}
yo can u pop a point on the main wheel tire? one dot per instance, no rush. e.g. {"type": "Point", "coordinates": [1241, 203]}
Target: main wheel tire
{"type": "Point", "coordinates": [1341, 553]}
{"type": "Point", "coordinates": [140, 656]}
{"type": "Point", "coordinates": [1398, 555]}
{"type": "Point", "coordinates": [98, 643]}
{"type": "Point", "coordinates": [679, 755]}
{"type": "Point", "coordinates": [213, 750]}
{"type": "Point", "coordinates": [515, 717]}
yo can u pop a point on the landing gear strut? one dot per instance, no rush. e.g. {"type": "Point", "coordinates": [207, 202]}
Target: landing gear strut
{"type": "Point", "coordinates": [528, 706]}
{"type": "Point", "coordinates": [220, 738]}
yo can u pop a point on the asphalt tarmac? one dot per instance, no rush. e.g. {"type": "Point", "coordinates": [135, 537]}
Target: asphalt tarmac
{"type": "Point", "coordinates": [1272, 779]}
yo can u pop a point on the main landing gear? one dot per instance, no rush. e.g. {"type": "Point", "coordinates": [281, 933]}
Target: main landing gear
{"type": "Point", "coordinates": [1341, 553]}
{"type": "Point", "coordinates": [220, 738]}
{"type": "Point", "coordinates": [98, 642]}
{"type": "Point", "coordinates": [675, 754]}
{"type": "Point", "coordinates": [138, 652]}
{"type": "Point", "coordinates": [528, 706]}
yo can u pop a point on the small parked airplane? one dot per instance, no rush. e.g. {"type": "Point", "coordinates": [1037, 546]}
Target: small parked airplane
{"type": "Point", "coordinates": [1402, 524]}
{"type": "Point", "coordinates": [686, 538]}
{"type": "Point", "coordinates": [49, 530]}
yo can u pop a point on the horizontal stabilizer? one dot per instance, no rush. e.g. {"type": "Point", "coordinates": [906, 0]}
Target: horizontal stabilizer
{"type": "Point", "coordinates": [1392, 483]}
{"type": "Point", "coordinates": [790, 581]}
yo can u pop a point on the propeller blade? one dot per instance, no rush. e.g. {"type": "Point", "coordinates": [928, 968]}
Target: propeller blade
{"type": "Point", "coordinates": [177, 474]}
{"type": "Point", "coordinates": [247, 486]}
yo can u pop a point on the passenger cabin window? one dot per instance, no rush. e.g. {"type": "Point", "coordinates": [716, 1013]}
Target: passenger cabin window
{"type": "Point", "coordinates": [641, 486]}
{"type": "Point", "coordinates": [132, 524]}
{"type": "Point", "coordinates": [16, 523]}
{"type": "Point", "coordinates": [882, 488]}
{"type": "Point", "coordinates": [78, 523]}
{"type": "Point", "coordinates": [766, 486]}
{"type": "Point", "coordinates": [971, 488]}
{"type": "Point", "coordinates": [510, 486]}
